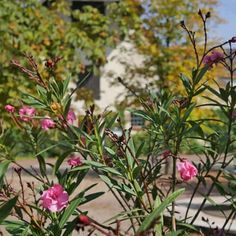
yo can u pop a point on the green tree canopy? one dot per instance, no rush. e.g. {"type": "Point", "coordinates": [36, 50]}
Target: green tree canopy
{"type": "Point", "coordinates": [157, 34]}
{"type": "Point", "coordinates": [49, 32]}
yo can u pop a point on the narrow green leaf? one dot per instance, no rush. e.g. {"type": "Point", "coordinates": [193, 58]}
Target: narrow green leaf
{"type": "Point", "coordinates": [157, 211]}
{"type": "Point", "coordinates": [91, 197]}
{"type": "Point", "coordinates": [65, 84]}
{"type": "Point", "coordinates": [176, 233]}
{"type": "Point", "coordinates": [69, 211]}
{"type": "Point", "coordinates": [3, 169]}
{"type": "Point", "coordinates": [200, 75]}
{"type": "Point", "coordinates": [186, 82]}
{"type": "Point", "coordinates": [5, 208]}
{"type": "Point", "coordinates": [42, 165]}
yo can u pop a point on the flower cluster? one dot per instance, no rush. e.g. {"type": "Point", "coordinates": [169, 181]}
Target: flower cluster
{"type": "Point", "coordinates": [47, 123]}
{"type": "Point", "coordinates": [27, 113]}
{"type": "Point", "coordinates": [55, 198]}
{"type": "Point", "coordinates": [187, 170]}
{"type": "Point", "coordinates": [74, 161]}
{"type": "Point", "coordinates": [213, 58]}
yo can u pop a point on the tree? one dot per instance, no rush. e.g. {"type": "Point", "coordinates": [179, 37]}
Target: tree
{"type": "Point", "coordinates": [154, 27]}
{"type": "Point", "coordinates": [46, 31]}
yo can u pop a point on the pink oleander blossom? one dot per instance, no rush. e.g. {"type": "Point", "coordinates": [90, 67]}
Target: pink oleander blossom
{"type": "Point", "coordinates": [70, 118]}
{"type": "Point", "coordinates": [187, 170]}
{"type": "Point", "coordinates": [9, 108]}
{"type": "Point", "coordinates": [27, 113]}
{"type": "Point", "coordinates": [47, 123]}
{"type": "Point", "coordinates": [74, 161]}
{"type": "Point", "coordinates": [55, 198]}
{"type": "Point", "coordinates": [214, 57]}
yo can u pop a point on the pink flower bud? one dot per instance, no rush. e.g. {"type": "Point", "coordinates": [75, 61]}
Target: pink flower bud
{"type": "Point", "coordinates": [70, 117]}
{"type": "Point", "coordinates": [187, 170]}
{"type": "Point", "coordinates": [47, 123]}
{"type": "Point", "coordinates": [84, 220]}
{"type": "Point", "coordinates": [74, 161]}
{"type": "Point", "coordinates": [55, 198]}
{"type": "Point", "coordinates": [27, 113]}
{"type": "Point", "coordinates": [9, 108]}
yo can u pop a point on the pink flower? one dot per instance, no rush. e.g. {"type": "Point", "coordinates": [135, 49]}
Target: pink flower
{"type": "Point", "coordinates": [9, 108]}
{"type": "Point", "coordinates": [215, 57]}
{"type": "Point", "coordinates": [55, 198]}
{"type": "Point", "coordinates": [71, 117]}
{"type": "Point", "coordinates": [187, 170]}
{"type": "Point", "coordinates": [74, 161]}
{"type": "Point", "coordinates": [47, 123]}
{"type": "Point", "coordinates": [26, 113]}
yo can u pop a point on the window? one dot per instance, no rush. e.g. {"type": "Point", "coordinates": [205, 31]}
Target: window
{"type": "Point", "coordinates": [137, 120]}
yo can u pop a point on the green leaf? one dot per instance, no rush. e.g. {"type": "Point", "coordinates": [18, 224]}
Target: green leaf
{"type": "Point", "coordinates": [65, 84]}
{"type": "Point", "coordinates": [186, 82]}
{"type": "Point", "coordinates": [158, 210]}
{"type": "Point", "coordinates": [176, 233]}
{"type": "Point", "coordinates": [158, 227]}
{"type": "Point", "coordinates": [69, 211]}
{"type": "Point", "coordinates": [103, 167]}
{"type": "Point", "coordinates": [42, 165]}
{"type": "Point", "coordinates": [60, 159]}
{"type": "Point", "coordinates": [112, 183]}
{"type": "Point", "coordinates": [110, 151]}
{"type": "Point", "coordinates": [70, 226]}
{"type": "Point", "coordinates": [15, 228]}
{"type": "Point", "coordinates": [33, 101]}
{"type": "Point", "coordinates": [143, 114]}
{"type": "Point", "coordinates": [200, 74]}
{"type": "Point", "coordinates": [5, 208]}
{"type": "Point", "coordinates": [3, 169]}
{"type": "Point", "coordinates": [91, 197]}
{"type": "Point", "coordinates": [79, 168]}
{"type": "Point", "coordinates": [41, 91]}
{"type": "Point", "coordinates": [200, 90]}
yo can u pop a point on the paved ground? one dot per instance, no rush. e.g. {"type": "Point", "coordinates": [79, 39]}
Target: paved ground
{"type": "Point", "coordinates": [104, 207]}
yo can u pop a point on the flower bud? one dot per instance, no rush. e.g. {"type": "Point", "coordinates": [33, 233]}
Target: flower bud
{"type": "Point", "coordinates": [200, 12]}
{"type": "Point", "coordinates": [233, 39]}
{"type": "Point", "coordinates": [182, 24]}
{"type": "Point", "coordinates": [84, 220]}
{"type": "Point", "coordinates": [55, 107]}
{"type": "Point", "coordinates": [9, 108]}
{"type": "Point", "coordinates": [208, 15]}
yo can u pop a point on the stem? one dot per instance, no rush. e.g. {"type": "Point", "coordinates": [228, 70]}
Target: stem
{"type": "Point", "coordinates": [173, 220]}
{"type": "Point", "coordinates": [228, 218]}
{"type": "Point", "coordinates": [142, 178]}
{"type": "Point", "coordinates": [224, 164]}
{"type": "Point", "coordinates": [195, 191]}
{"type": "Point", "coordinates": [28, 172]}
